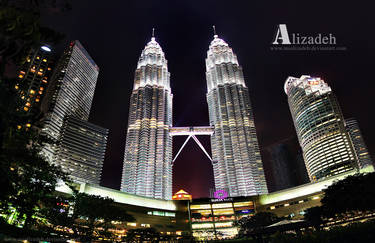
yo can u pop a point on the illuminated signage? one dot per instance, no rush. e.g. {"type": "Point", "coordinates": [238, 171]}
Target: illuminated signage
{"type": "Point", "coordinates": [220, 194]}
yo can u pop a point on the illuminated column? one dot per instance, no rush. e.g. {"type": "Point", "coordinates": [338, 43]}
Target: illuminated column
{"type": "Point", "coordinates": [147, 169]}
{"type": "Point", "coordinates": [237, 162]}
{"type": "Point", "coordinates": [326, 146]}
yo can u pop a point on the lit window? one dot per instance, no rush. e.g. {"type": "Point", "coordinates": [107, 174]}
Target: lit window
{"type": "Point", "coordinates": [272, 207]}
{"type": "Point", "coordinates": [222, 205]}
{"type": "Point", "coordinates": [25, 108]}
{"type": "Point", "coordinates": [38, 58]}
{"type": "Point", "coordinates": [32, 91]}
{"type": "Point", "coordinates": [40, 92]}
{"type": "Point", "coordinates": [20, 76]}
{"type": "Point", "coordinates": [286, 204]}
{"type": "Point", "coordinates": [44, 60]}
{"type": "Point", "coordinates": [200, 206]}
{"type": "Point", "coordinates": [28, 125]}
{"type": "Point", "coordinates": [28, 104]}
{"type": "Point", "coordinates": [242, 204]}
{"type": "Point", "coordinates": [19, 127]}
{"type": "Point", "coordinates": [132, 224]}
{"type": "Point", "coordinates": [202, 226]}
{"type": "Point", "coordinates": [37, 100]}
{"type": "Point", "coordinates": [40, 73]}
{"type": "Point", "coordinates": [16, 87]}
{"type": "Point", "coordinates": [41, 88]}
{"type": "Point", "coordinates": [49, 69]}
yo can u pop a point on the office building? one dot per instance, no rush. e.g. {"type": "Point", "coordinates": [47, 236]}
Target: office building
{"type": "Point", "coordinates": [147, 168]}
{"type": "Point", "coordinates": [34, 76]}
{"type": "Point", "coordinates": [360, 147]}
{"type": "Point", "coordinates": [326, 146]}
{"type": "Point", "coordinates": [70, 95]}
{"type": "Point", "coordinates": [236, 158]}
{"type": "Point", "coordinates": [81, 150]}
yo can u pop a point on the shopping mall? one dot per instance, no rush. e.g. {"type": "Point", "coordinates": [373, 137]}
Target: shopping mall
{"type": "Point", "coordinates": [209, 218]}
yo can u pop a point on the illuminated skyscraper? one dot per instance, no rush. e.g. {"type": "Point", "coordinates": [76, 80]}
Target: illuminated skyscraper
{"type": "Point", "coordinates": [326, 146]}
{"type": "Point", "coordinates": [34, 76]}
{"type": "Point", "coordinates": [147, 168]}
{"type": "Point", "coordinates": [236, 158]}
{"type": "Point", "coordinates": [360, 147]}
{"type": "Point", "coordinates": [81, 150]}
{"type": "Point", "coordinates": [70, 94]}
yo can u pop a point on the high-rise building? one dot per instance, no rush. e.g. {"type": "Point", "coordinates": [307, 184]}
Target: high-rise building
{"type": "Point", "coordinates": [70, 93]}
{"type": "Point", "coordinates": [326, 146]}
{"type": "Point", "coordinates": [81, 150]}
{"type": "Point", "coordinates": [147, 168]}
{"type": "Point", "coordinates": [285, 165]}
{"type": "Point", "coordinates": [33, 76]}
{"type": "Point", "coordinates": [236, 158]}
{"type": "Point", "coordinates": [360, 147]}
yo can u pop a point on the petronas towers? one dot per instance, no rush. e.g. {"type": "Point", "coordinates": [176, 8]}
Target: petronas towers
{"type": "Point", "coordinates": [236, 162]}
{"type": "Point", "coordinates": [147, 169]}
{"type": "Point", "coordinates": [237, 165]}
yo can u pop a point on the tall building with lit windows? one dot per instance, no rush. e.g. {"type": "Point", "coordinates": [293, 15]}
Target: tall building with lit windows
{"type": "Point", "coordinates": [358, 142]}
{"type": "Point", "coordinates": [147, 169]}
{"type": "Point", "coordinates": [70, 94]}
{"type": "Point", "coordinates": [34, 76]}
{"type": "Point", "coordinates": [326, 145]}
{"type": "Point", "coordinates": [236, 158]}
{"type": "Point", "coordinates": [81, 150]}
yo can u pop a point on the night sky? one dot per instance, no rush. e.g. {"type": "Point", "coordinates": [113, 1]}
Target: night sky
{"type": "Point", "coordinates": [115, 32]}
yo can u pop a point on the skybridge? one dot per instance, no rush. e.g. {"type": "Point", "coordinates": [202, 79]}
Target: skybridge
{"type": "Point", "coordinates": [191, 132]}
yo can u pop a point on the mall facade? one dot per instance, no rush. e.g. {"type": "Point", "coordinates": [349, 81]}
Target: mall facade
{"type": "Point", "coordinates": [210, 218]}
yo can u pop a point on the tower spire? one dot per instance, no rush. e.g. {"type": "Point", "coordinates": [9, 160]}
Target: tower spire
{"type": "Point", "coordinates": [153, 32]}
{"type": "Point", "coordinates": [213, 26]}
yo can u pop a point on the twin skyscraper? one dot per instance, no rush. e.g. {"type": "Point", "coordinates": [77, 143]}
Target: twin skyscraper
{"type": "Point", "coordinates": [236, 159]}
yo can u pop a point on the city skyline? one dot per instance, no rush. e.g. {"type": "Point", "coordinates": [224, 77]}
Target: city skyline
{"type": "Point", "coordinates": [266, 71]}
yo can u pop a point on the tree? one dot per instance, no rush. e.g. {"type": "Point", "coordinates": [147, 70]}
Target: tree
{"type": "Point", "coordinates": [84, 214]}
{"type": "Point", "coordinates": [114, 212]}
{"type": "Point", "coordinates": [252, 225]}
{"type": "Point", "coordinates": [355, 192]}
{"type": "Point", "coordinates": [314, 216]}
{"type": "Point", "coordinates": [26, 177]}
{"type": "Point", "coordinates": [141, 235]}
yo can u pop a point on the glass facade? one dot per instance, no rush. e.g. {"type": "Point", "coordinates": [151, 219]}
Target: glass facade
{"type": "Point", "coordinates": [326, 146]}
{"type": "Point", "coordinates": [237, 163]}
{"type": "Point", "coordinates": [147, 168]}
{"type": "Point", "coordinates": [215, 220]}
{"type": "Point", "coordinates": [81, 150]}
{"type": "Point", "coordinates": [360, 147]}
{"type": "Point", "coordinates": [69, 94]}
